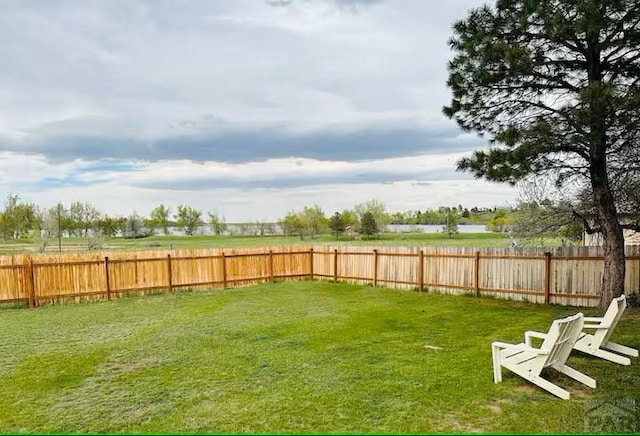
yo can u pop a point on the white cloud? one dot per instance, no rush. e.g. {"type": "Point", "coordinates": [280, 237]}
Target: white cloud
{"type": "Point", "coordinates": [270, 204]}
{"type": "Point", "coordinates": [257, 190]}
{"type": "Point", "coordinates": [153, 64]}
{"type": "Point", "coordinates": [244, 106]}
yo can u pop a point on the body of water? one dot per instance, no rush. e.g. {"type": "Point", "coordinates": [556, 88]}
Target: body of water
{"type": "Point", "coordinates": [434, 228]}
{"type": "Point", "coordinates": [255, 229]}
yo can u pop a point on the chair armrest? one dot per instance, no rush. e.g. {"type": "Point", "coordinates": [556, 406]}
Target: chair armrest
{"type": "Point", "coordinates": [533, 334]}
{"type": "Point", "coordinates": [498, 344]}
{"type": "Point", "coordinates": [592, 319]}
{"type": "Point", "coordinates": [596, 323]}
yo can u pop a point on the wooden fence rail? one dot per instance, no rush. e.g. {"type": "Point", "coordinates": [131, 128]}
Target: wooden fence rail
{"type": "Point", "coordinates": [567, 276]}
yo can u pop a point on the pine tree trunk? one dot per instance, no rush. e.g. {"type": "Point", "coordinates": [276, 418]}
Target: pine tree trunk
{"type": "Point", "coordinates": [598, 99]}
{"type": "Point", "coordinates": [607, 215]}
{"type": "Point", "coordinates": [613, 240]}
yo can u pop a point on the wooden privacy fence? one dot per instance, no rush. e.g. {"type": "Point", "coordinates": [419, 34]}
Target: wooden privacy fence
{"type": "Point", "coordinates": [562, 275]}
{"type": "Point", "coordinates": [54, 277]}
{"type": "Point", "coordinates": [567, 276]}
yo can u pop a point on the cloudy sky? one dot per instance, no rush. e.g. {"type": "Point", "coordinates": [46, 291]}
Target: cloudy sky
{"type": "Point", "coordinates": [247, 108]}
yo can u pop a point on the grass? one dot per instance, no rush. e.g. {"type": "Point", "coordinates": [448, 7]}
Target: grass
{"type": "Point", "coordinates": [212, 241]}
{"type": "Point", "coordinates": [298, 356]}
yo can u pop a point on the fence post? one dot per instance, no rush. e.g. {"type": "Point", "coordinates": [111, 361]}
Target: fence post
{"type": "Point", "coordinates": [375, 267]}
{"type": "Point", "coordinates": [106, 277]}
{"type": "Point", "coordinates": [421, 271]}
{"type": "Point", "coordinates": [169, 273]}
{"type": "Point", "coordinates": [335, 264]}
{"type": "Point", "coordinates": [638, 254]}
{"type": "Point", "coordinates": [476, 274]}
{"type": "Point", "coordinates": [547, 276]}
{"type": "Point", "coordinates": [271, 265]}
{"type": "Point", "coordinates": [30, 285]}
{"type": "Point", "coordinates": [224, 270]}
{"type": "Point", "coordinates": [311, 263]}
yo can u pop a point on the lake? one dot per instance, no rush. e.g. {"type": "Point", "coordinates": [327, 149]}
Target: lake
{"type": "Point", "coordinates": [254, 229]}
{"type": "Point", "coordinates": [434, 228]}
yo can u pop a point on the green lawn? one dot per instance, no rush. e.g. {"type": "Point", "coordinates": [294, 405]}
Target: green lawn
{"type": "Point", "coordinates": [291, 357]}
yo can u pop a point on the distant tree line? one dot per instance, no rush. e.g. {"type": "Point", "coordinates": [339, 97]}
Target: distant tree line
{"type": "Point", "coordinates": [534, 216]}
{"type": "Point", "coordinates": [20, 219]}
{"type": "Point", "coordinates": [366, 219]}
{"type": "Point", "coordinates": [439, 216]}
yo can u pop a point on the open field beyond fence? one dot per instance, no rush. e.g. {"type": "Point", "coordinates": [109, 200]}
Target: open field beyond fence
{"type": "Point", "coordinates": [182, 242]}
{"type": "Point", "coordinates": [566, 276]}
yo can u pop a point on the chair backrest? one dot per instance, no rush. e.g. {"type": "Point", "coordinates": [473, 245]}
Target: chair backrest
{"type": "Point", "coordinates": [560, 339]}
{"type": "Point", "coordinates": [611, 317]}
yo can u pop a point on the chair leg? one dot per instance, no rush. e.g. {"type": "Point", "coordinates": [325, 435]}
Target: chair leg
{"type": "Point", "coordinates": [550, 387]}
{"type": "Point", "coordinates": [577, 375]}
{"type": "Point", "coordinates": [497, 369]}
{"type": "Point", "coordinates": [604, 354]}
{"type": "Point", "coordinates": [612, 357]}
{"type": "Point", "coordinates": [627, 351]}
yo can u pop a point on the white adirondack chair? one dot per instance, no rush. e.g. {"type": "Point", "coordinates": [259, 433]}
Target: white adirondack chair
{"type": "Point", "coordinates": [528, 362]}
{"type": "Point", "coordinates": [598, 343]}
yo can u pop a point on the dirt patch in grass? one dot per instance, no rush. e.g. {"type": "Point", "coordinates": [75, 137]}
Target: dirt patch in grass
{"type": "Point", "coordinates": [118, 367]}
{"type": "Point", "coordinates": [459, 424]}
{"type": "Point", "coordinates": [496, 406]}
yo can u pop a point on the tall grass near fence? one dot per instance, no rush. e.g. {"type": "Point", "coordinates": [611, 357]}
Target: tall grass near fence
{"type": "Point", "coordinates": [566, 276]}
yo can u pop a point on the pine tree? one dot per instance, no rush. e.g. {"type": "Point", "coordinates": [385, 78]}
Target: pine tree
{"type": "Point", "coordinates": [368, 225]}
{"type": "Point", "coordinates": [337, 225]}
{"type": "Point", "coordinates": [555, 85]}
